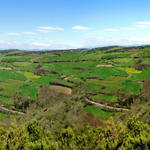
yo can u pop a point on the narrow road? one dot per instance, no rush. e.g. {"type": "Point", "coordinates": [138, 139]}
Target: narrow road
{"type": "Point", "coordinates": [107, 108]}
{"type": "Point", "coordinates": [8, 111]}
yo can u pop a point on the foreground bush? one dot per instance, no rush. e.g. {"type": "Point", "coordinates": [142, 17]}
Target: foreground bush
{"type": "Point", "coordinates": [115, 136]}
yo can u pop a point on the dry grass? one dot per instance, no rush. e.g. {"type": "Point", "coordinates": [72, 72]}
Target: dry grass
{"type": "Point", "coordinates": [146, 88]}
{"type": "Point", "coordinates": [99, 66]}
{"type": "Point", "coordinates": [61, 89]}
{"type": "Point", "coordinates": [5, 68]}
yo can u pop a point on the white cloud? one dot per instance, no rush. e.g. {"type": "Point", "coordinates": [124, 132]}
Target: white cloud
{"type": "Point", "coordinates": [9, 44]}
{"type": "Point", "coordinates": [13, 33]}
{"type": "Point", "coordinates": [127, 28]}
{"type": "Point", "coordinates": [80, 28]}
{"type": "Point", "coordinates": [111, 30]}
{"type": "Point", "coordinates": [46, 29]}
{"type": "Point", "coordinates": [144, 22]}
{"type": "Point", "coordinates": [140, 40]}
{"type": "Point", "coordinates": [29, 33]}
{"type": "Point", "coordinates": [141, 26]}
{"type": "Point", "coordinates": [33, 45]}
{"type": "Point", "coordinates": [52, 28]}
{"type": "Point", "coordinates": [94, 41]}
{"type": "Point", "coordinates": [40, 44]}
{"type": "Point", "coordinates": [107, 40]}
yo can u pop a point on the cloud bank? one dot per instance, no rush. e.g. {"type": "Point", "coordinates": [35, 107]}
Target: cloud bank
{"type": "Point", "coordinates": [78, 27]}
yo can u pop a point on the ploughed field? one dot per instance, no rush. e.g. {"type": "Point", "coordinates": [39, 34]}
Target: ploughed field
{"type": "Point", "coordinates": [112, 76]}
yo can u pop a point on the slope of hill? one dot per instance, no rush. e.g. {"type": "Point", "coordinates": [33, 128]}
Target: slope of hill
{"type": "Point", "coordinates": [59, 88]}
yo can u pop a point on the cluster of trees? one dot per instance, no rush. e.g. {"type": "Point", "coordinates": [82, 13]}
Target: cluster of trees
{"type": "Point", "coordinates": [115, 136]}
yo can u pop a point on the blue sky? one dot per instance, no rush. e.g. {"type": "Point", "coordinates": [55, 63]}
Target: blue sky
{"type": "Point", "coordinates": [62, 24]}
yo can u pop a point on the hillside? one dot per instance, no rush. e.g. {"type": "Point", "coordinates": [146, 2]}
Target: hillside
{"type": "Point", "coordinates": [65, 90]}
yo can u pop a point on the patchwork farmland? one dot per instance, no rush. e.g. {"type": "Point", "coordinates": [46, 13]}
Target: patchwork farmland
{"type": "Point", "coordinates": [75, 87]}
{"type": "Point", "coordinates": [112, 76]}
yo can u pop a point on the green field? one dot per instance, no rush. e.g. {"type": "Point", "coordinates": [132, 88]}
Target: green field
{"type": "Point", "coordinates": [105, 97]}
{"type": "Point", "coordinates": [104, 74]}
{"type": "Point", "coordinates": [53, 94]}
{"type": "Point", "coordinates": [97, 112]}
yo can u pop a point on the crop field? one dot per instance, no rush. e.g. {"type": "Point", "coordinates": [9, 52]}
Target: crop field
{"type": "Point", "coordinates": [104, 75]}
{"type": "Point", "coordinates": [97, 112]}
{"type": "Point", "coordinates": [105, 97]}
{"type": "Point", "coordinates": [6, 100]}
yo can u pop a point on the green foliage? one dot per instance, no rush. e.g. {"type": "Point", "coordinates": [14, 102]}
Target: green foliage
{"type": "Point", "coordinates": [119, 62]}
{"type": "Point", "coordinates": [24, 66]}
{"type": "Point", "coordinates": [61, 82]}
{"type": "Point", "coordinates": [28, 91]}
{"type": "Point", "coordinates": [10, 87]}
{"type": "Point", "coordinates": [122, 60]}
{"type": "Point", "coordinates": [131, 70]}
{"type": "Point", "coordinates": [17, 138]}
{"type": "Point", "coordinates": [29, 76]}
{"type": "Point", "coordinates": [67, 138]}
{"type": "Point", "coordinates": [8, 74]}
{"type": "Point", "coordinates": [103, 72]}
{"type": "Point", "coordinates": [105, 97]}
{"type": "Point", "coordinates": [141, 76]}
{"type": "Point", "coordinates": [35, 131]}
{"type": "Point", "coordinates": [97, 112]}
{"type": "Point", "coordinates": [64, 57]}
{"type": "Point", "coordinates": [111, 84]}
{"type": "Point", "coordinates": [3, 136]}
{"type": "Point", "coordinates": [146, 60]}
{"type": "Point", "coordinates": [131, 87]}
{"type": "Point", "coordinates": [116, 55]}
{"type": "Point", "coordinates": [6, 99]}
{"type": "Point", "coordinates": [43, 80]}
{"type": "Point", "coordinates": [15, 59]}
{"type": "Point", "coordinates": [144, 54]}
{"type": "Point", "coordinates": [33, 136]}
{"type": "Point", "coordinates": [3, 116]}
{"type": "Point", "coordinates": [92, 85]}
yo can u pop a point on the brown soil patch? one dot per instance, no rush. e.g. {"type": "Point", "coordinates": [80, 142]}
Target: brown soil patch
{"type": "Point", "coordinates": [99, 66]}
{"type": "Point", "coordinates": [49, 95]}
{"type": "Point", "coordinates": [61, 89]}
{"type": "Point", "coordinates": [67, 78]}
{"type": "Point", "coordinates": [146, 88]}
{"type": "Point", "coordinates": [92, 120]}
{"type": "Point", "coordinates": [5, 68]}
{"type": "Point", "coordinates": [140, 66]}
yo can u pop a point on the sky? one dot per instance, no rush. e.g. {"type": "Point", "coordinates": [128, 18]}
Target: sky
{"type": "Point", "coordinates": [64, 24]}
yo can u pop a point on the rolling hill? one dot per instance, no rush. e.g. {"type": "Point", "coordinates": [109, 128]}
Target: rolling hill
{"type": "Point", "coordinates": [63, 91]}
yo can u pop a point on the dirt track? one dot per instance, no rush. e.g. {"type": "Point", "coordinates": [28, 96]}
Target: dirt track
{"type": "Point", "coordinates": [8, 111]}
{"type": "Point", "coordinates": [107, 108]}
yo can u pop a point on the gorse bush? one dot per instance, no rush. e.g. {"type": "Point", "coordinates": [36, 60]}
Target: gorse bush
{"type": "Point", "coordinates": [33, 136]}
